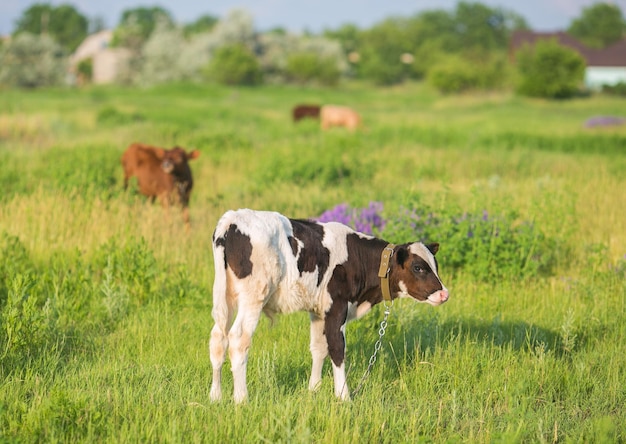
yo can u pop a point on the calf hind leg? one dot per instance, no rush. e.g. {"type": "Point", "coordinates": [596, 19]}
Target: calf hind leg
{"type": "Point", "coordinates": [223, 316]}
{"type": "Point", "coordinates": [217, 350]}
{"type": "Point", "coordinates": [319, 351]}
{"type": "Point", "coordinates": [240, 338]}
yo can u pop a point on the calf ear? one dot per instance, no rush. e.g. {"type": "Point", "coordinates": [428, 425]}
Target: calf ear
{"type": "Point", "coordinates": [193, 154]}
{"type": "Point", "coordinates": [402, 255]}
{"type": "Point", "coordinates": [433, 248]}
{"type": "Point", "coordinates": [159, 152]}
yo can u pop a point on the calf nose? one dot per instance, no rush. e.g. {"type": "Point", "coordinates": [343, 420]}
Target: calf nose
{"type": "Point", "coordinates": [443, 295]}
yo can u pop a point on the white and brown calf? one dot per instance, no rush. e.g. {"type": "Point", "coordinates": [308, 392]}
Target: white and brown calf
{"type": "Point", "coordinates": [333, 115]}
{"type": "Point", "coordinates": [265, 262]}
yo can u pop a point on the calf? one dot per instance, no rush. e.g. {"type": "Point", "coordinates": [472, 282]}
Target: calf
{"type": "Point", "coordinates": [265, 262]}
{"type": "Point", "coordinates": [301, 111]}
{"type": "Point", "coordinates": [333, 115]}
{"type": "Point", "coordinates": [161, 173]}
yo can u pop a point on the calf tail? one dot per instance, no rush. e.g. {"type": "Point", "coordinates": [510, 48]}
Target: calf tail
{"type": "Point", "coordinates": [223, 303]}
{"type": "Point", "coordinates": [222, 309]}
{"type": "Point", "coordinates": [222, 313]}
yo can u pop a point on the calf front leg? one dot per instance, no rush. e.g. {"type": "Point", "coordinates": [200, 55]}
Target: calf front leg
{"type": "Point", "coordinates": [319, 350]}
{"type": "Point", "coordinates": [335, 331]}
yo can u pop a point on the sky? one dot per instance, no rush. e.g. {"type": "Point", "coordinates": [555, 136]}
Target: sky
{"type": "Point", "coordinates": [309, 15]}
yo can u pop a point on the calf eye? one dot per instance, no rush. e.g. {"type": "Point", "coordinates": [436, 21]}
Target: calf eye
{"type": "Point", "coordinates": [417, 269]}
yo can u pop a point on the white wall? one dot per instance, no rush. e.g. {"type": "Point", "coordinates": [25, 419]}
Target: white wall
{"type": "Point", "coordinates": [596, 76]}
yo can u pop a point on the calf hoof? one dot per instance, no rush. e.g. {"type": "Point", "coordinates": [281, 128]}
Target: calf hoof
{"type": "Point", "coordinates": [216, 395]}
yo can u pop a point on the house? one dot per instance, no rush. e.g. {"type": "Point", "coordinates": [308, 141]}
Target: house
{"type": "Point", "coordinates": [107, 62]}
{"type": "Point", "coordinates": [606, 66]}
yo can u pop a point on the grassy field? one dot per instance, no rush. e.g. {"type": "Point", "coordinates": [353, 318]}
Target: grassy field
{"type": "Point", "coordinates": [105, 300]}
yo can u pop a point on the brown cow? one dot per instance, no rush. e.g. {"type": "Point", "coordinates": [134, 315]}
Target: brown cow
{"type": "Point", "coordinates": [333, 115]}
{"type": "Point", "coordinates": [299, 112]}
{"type": "Point", "coordinates": [160, 172]}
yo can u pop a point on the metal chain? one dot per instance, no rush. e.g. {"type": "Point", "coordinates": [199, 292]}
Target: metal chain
{"type": "Point", "coordinates": [377, 346]}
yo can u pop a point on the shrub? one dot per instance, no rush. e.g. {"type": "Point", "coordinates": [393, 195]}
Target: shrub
{"type": "Point", "coordinates": [130, 269]}
{"type": "Point", "coordinates": [619, 89]}
{"type": "Point", "coordinates": [308, 67]}
{"type": "Point", "coordinates": [84, 70]}
{"type": "Point", "coordinates": [549, 70]}
{"type": "Point", "coordinates": [380, 70]}
{"type": "Point", "coordinates": [453, 75]}
{"type": "Point", "coordinates": [235, 65]}
{"type": "Point", "coordinates": [24, 326]}
{"type": "Point", "coordinates": [483, 245]}
{"type": "Point", "coordinates": [31, 61]}
{"type": "Point", "coordinates": [288, 57]}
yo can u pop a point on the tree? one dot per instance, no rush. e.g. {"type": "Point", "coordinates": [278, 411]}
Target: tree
{"type": "Point", "coordinates": [479, 26]}
{"type": "Point", "coordinates": [136, 26]}
{"type": "Point", "coordinates": [204, 23]}
{"type": "Point", "coordinates": [381, 51]}
{"type": "Point", "coordinates": [599, 25]}
{"type": "Point", "coordinates": [63, 23]}
{"type": "Point", "coordinates": [97, 24]}
{"type": "Point", "coordinates": [435, 28]}
{"type": "Point", "coordinates": [550, 70]}
{"type": "Point", "coordinates": [30, 61]}
{"type": "Point", "coordinates": [161, 57]}
{"type": "Point", "coordinates": [348, 35]}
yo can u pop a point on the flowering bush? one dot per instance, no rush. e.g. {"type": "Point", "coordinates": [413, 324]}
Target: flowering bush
{"type": "Point", "coordinates": [161, 56]}
{"type": "Point", "coordinates": [487, 246]}
{"type": "Point", "coordinates": [366, 220]}
{"type": "Point", "coordinates": [32, 61]}
{"type": "Point", "coordinates": [301, 58]}
{"type": "Point", "coordinates": [170, 56]}
{"type": "Point", "coordinates": [604, 121]}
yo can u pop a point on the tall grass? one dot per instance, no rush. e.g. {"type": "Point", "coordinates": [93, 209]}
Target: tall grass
{"type": "Point", "coordinates": [105, 300]}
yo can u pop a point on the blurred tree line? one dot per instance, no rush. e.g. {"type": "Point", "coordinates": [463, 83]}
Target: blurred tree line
{"type": "Point", "coordinates": [465, 48]}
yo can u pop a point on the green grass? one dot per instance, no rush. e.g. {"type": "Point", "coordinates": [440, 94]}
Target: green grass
{"type": "Point", "coordinates": [105, 302]}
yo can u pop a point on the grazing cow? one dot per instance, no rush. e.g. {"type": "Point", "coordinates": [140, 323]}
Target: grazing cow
{"type": "Point", "coordinates": [161, 173]}
{"type": "Point", "coordinates": [299, 112]}
{"type": "Point", "coordinates": [265, 262]}
{"type": "Point", "coordinates": [333, 115]}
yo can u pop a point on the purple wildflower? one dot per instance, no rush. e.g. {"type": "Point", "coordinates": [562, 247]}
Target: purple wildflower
{"type": "Point", "coordinates": [365, 220]}
{"type": "Point", "coordinates": [603, 121]}
{"type": "Point", "coordinates": [340, 213]}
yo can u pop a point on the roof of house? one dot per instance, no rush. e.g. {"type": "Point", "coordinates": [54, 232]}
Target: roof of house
{"type": "Point", "coordinates": [614, 55]}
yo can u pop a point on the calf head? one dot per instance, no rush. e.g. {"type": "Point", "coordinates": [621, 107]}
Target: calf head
{"type": "Point", "coordinates": [174, 161]}
{"type": "Point", "coordinates": [415, 273]}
